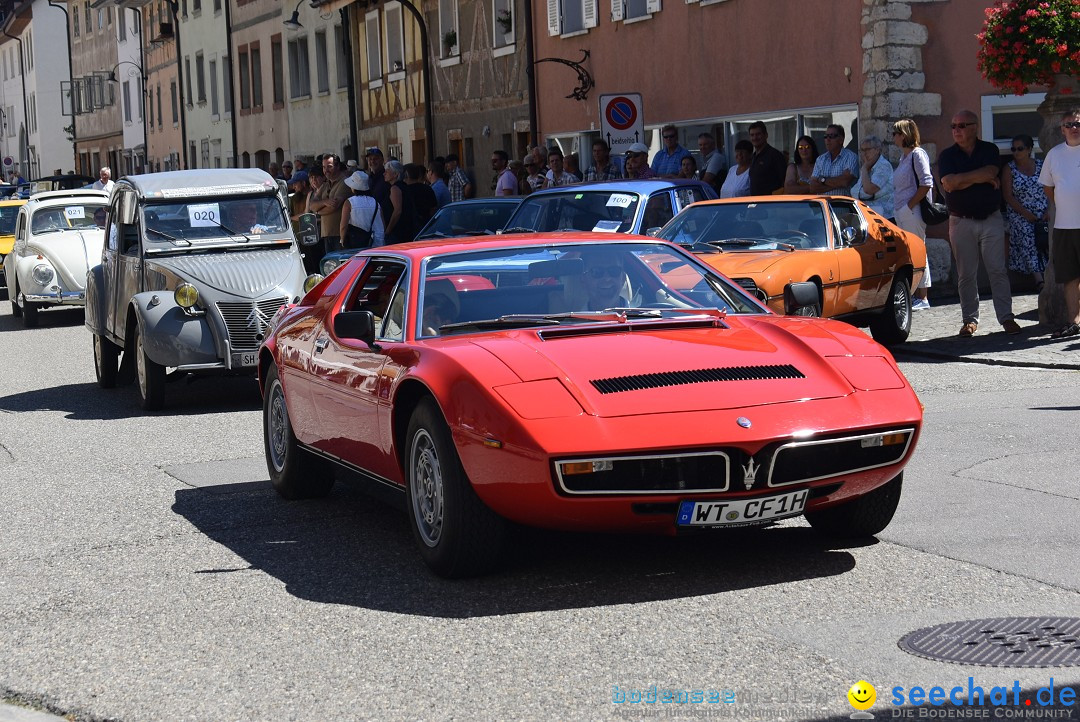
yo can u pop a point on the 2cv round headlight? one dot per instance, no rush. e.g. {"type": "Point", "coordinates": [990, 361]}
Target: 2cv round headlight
{"type": "Point", "coordinates": [312, 281]}
{"type": "Point", "coordinates": [186, 295]}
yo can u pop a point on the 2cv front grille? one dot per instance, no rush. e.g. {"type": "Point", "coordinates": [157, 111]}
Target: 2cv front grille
{"type": "Point", "coordinates": [247, 321]}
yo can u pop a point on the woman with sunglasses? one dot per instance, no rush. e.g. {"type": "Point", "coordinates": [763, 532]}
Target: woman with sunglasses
{"type": "Point", "coordinates": [1025, 205]}
{"type": "Point", "coordinates": [801, 170]}
{"type": "Point", "coordinates": [912, 181]}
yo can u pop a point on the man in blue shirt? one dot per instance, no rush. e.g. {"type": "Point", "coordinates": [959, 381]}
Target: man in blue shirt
{"type": "Point", "coordinates": [668, 161]}
{"type": "Point", "coordinates": [837, 168]}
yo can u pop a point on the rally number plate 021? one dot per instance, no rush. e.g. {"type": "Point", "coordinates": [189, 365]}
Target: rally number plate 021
{"type": "Point", "coordinates": [246, 358]}
{"type": "Point", "coordinates": [741, 512]}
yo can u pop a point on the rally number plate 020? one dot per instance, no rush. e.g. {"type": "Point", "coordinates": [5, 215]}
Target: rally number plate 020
{"type": "Point", "coordinates": [247, 358]}
{"type": "Point", "coordinates": [741, 512]}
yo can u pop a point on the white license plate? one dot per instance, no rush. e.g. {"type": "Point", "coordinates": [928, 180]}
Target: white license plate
{"type": "Point", "coordinates": [247, 358]}
{"type": "Point", "coordinates": [741, 512]}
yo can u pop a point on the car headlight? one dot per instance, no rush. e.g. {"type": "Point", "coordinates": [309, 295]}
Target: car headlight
{"type": "Point", "coordinates": [312, 281]}
{"type": "Point", "coordinates": [329, 265]}
{"type": "Point", "coordinates": [43, 274]}
{"type": "Point", "coordinates": [186, 295]}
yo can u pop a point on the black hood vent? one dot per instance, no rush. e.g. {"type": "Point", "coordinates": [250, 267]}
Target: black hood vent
{"type": "Point", "coordinates": [698, 376]}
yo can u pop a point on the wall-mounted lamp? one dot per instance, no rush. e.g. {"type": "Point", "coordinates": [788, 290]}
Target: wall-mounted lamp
{"type": "Point", "coordinates": [112, 73]}
{"type": "Point", "coordinates": [293, 23]}
{"type": "Point", "coordinates": [847, 72]}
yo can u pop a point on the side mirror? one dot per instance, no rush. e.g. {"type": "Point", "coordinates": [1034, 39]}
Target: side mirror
{"type": "Point", "coordinates": [358, 325]}
{"type": "Point", "coordinates": [848, 235]}
{"type": "Point", "coordinates": [307, 233]}
{"type": "Point", "coordinates": [654, 231]}
{"type": "Point", "coordinates": [798, 295]}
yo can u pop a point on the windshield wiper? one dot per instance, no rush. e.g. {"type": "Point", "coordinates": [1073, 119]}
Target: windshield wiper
{"type": "Point", "coordinates": [508, 321]}
{"type": "Point", "coordinates": [519, 229]}
{"type": "Point", "coordinates": [749, 242]}
{"type": "Point", "coordinates": [230, 231]}
{"type": "Point", "coordinates": [163, 234]}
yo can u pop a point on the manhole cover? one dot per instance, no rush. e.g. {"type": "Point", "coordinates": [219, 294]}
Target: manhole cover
{"type": "Point", "coordinates": [1000, 642]}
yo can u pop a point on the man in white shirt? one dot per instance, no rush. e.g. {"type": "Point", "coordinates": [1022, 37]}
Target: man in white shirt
{"type": "Point", "coordinates": [1060, 178]}
{"type": "Point", "coordinates": [104, 181]}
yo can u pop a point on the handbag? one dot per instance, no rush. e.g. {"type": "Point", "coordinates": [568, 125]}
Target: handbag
{"type": "Point", "coordinates": [932, 213]}
{"type": "Point", "coordinates": [1042, 238]}
{"type": "Point", "coordinates": [356, 237]}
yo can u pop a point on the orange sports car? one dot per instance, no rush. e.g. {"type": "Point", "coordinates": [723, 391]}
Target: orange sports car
{"type": "Point", "coordinates": [862, 267]}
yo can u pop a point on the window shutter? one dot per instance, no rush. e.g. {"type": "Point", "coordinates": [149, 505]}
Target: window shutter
{"type": "Point", "coordinates": [616, 10]}
{"type": "Point", "coordinates": [652, 6]}
{"type": "Point", "coordinates": [590, 11]}
{"type": "Point", "coordinates": [554, 21]}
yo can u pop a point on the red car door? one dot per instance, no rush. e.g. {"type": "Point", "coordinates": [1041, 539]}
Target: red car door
{"type": "Point", "coordinates": [350, 384]}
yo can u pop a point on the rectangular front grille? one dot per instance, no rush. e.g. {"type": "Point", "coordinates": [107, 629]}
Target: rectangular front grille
{"type": "Point", "coordinates": [697, 376]}
{"type": "Point", "coordinates": [246, 321]}
{"type": "Point", "coordinates": [802, 461]}
{"type": "Point", "coordinates": [670, 474]}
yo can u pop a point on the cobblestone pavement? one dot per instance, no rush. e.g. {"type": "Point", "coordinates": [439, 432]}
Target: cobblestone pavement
{"type": "Point", "coordinates": [934, 333]}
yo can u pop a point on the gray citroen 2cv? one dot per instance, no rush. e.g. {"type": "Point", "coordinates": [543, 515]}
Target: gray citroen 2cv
{"type": "Point", "coordinates": [195, 265]}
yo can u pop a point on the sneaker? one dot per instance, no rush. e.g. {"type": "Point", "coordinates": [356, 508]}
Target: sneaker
{"type": "Point", "coordinates": [1011, 327]}
{"type": "Point", "coordinates": [919, 304]}
{"type": "Point", "coordinates": [968, 329]}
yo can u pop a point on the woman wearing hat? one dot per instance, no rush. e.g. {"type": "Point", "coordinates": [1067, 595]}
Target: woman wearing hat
{"type": "Point", "coordinates": [362, 225]}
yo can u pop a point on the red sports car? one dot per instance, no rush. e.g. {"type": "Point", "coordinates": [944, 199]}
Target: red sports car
{"type": "Point", "coordinates": [578, 381]}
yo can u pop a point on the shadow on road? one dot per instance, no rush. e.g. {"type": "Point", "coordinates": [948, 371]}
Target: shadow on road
{"type": "Point", "coordinates": [87, 401]}
{"type": "Point", "coordinates": [56, 317]}
{"type": "Point", "coordinates": [351, 549]}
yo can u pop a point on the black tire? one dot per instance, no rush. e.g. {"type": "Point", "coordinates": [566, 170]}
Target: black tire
{"type": "Point", "coordinates": [29, 313]}
{"type": "Point", "coordinates": [457, 533]}
{"type": "Point", "coordinates": [150, 375]}
{"type": "Point", "coordinates": [893, 324]}
{"type": "Point", "coordinates": [866, 516]}
{"type": "Point", "coordinates": [106, 361]}
{"type": "Point", "coordinates": [294, 472]}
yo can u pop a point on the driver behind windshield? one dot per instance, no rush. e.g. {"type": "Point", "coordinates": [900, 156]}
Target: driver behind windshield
{"type": "Point", "coordinates": [243, 217]}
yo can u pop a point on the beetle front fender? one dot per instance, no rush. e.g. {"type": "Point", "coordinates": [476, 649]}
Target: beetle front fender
{"type": "Point", "coordinates": [170, 336]}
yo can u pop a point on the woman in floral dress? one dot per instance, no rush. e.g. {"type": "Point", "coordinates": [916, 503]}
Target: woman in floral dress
{"type": "Point", "coordinates": [1026, 204]}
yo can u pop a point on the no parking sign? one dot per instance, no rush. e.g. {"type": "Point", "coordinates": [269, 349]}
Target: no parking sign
{"type": "Point", "coordinates": [621, 121]}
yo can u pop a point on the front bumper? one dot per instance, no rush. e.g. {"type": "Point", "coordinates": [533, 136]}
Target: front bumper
{"type": "Point", "coordinates": [58, 297]}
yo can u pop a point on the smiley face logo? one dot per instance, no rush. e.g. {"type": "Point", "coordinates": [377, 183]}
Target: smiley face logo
{"type": "Point", "coordinates": [862, 695]}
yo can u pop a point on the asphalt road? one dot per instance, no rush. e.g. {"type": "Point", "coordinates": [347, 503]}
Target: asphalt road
{"type": "Point", "coordinates": [148, 571]}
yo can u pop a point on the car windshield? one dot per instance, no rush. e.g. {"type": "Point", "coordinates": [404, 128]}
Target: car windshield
{"type": "Point", "coordinates": [579, 209]}
{"type": "Point", "coordinates": [8, 214]}
{"type": "Point", "coordinates": [72, 216]}
{"type": "Point", "coordinates": [753, 225]}
{"type": "Point", "coordinates": [467, 219]}
{"type": "Point", "coordinates": [570, 284]}
{"type": "Point", "coordinates": [210, 219]}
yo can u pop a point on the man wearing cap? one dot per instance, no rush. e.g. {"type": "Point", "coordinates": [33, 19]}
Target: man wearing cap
{"type": "Point", "coordinates": [637, 162]}
{"type": "Point", "coordinates": [460, 185]}
{"type": "Point", "coordinates": [328, 199]}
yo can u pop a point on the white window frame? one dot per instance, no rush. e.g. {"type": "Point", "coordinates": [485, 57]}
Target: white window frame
{"type": "Point", "coordinates": [990, 103]}
{"type": "Point", "coordinates": [373, 48]}
{"type": "Point", "coordinates": [500, 39]}
{"type": "Point", "coordinates": [395, 40]}
{"type": "Point", "coordinates": [448, 20]}
{"type": "Point", "coordinates": [322, 63]}
{"type": "Point", "coordinates": [558, 10]}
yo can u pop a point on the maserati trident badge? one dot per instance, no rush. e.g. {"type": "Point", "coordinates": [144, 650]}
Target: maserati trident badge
{"type": "Point", "coordinates": [750, 471]}
{"type": "Point", "coordinates": [743, 422]}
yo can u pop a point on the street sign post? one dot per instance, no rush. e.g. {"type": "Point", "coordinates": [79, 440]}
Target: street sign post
{"type": "Point", "coordinates": [622, 122]}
